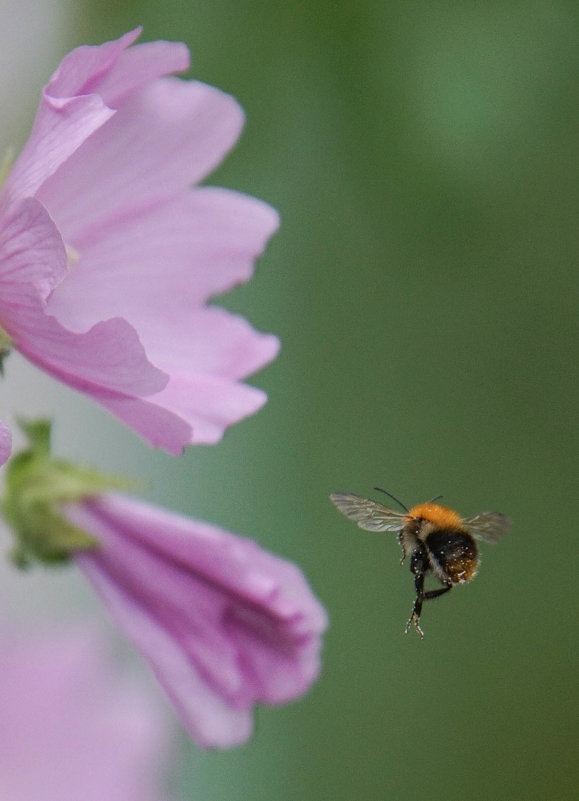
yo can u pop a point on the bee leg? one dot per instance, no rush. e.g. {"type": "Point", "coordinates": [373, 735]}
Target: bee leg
{"type": "Point", "coordinates": [402, 546]}
{"type": "Point", "coordinates": [428, 596]}
{"type": "Point", "coordinates": [415, 619]}
{"type": "Point", "coordinates": [419, 567]}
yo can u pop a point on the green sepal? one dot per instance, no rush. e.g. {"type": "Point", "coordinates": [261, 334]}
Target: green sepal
{"type": "Point", "coordinates": [36, 488]}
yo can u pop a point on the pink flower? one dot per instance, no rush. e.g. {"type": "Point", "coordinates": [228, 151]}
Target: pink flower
{"type": "Point", "coordinates": [223, 623]}
{"type": "Point", "coordinates": [108, 256]}
{"type": "Point", "coordinates": [70, 729]}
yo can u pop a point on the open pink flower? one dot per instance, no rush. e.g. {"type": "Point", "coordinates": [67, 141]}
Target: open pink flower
{"type": "Point", "coordinates": [70, 728]}
{"type": "Point", "coordinates": [108, 256]}
{"type": "Point", "coordinates": [223, 623]}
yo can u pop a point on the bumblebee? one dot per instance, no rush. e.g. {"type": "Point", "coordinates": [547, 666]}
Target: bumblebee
{"type": "Point", "coordinates": [438, 540]}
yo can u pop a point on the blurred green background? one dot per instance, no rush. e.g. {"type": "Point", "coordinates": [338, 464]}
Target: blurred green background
{"type": "Point", "coordinates": [423, 157]}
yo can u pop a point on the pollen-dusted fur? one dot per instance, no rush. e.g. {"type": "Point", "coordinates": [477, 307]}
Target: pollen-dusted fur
{"type": "Point", "coordinates": [441, 516]}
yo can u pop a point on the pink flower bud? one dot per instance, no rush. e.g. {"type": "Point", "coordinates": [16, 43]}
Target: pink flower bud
{"type": "Point", "coordinates": [224, 624]}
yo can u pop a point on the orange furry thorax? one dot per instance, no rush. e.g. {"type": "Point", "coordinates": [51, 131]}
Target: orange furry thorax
{"type": "Point", "coordinates": [441, 516]}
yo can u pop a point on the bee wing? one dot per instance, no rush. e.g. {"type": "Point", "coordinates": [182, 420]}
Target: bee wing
{"type": "Point", "coordinates": [487, 526]}
{"type": "Point", "coordinates": [368, 514]}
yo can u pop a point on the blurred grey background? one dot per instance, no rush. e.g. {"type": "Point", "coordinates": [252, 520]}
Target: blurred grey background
{"type": "Point", "coordinates": [424, 160]}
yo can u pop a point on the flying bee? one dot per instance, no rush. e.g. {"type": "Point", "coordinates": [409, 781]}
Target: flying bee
{"type": "Point", "coordinates": [439, 541]}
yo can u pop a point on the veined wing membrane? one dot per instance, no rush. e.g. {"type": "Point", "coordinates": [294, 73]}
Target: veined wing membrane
{"type": "Point", "coordinates": [368, 514]}
{"type": "Point", "coordinates": [487, 526]}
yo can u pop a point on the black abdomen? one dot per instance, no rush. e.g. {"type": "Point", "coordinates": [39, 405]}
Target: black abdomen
{"type": "Point", "coordinates": [453, 554]}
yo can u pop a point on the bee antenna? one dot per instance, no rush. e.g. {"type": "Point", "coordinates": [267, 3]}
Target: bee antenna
{"type": "Point", "coordinates": [436, 498]}
{"type": "Point", "coordinates": [394, 498]}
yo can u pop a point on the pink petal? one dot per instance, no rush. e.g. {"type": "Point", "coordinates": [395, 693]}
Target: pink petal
{"type": "Point", "coordinates": [166, 261]}
{"type": "Point", "coordinates": [159, 426]}
{"type": "Point", "coordinates": [192, 410]}
{"type": "Point", "coordinates": [210, 404]}
{"type": "Point", "coordinates": [175, 132]}
{"type": "Point", "coordinates": [208, 717]}
{"type": "Point", "coordinates": [114, 68]}
{"type": "Point", "coordinates": [82, 70]}
{"type": "Point", "coordinates": [212, 342]}
{"type": "Point", "coordinates": [71, 729]}
{"type": "Point", "coordinates": [223, 623]}
{"type": "Point", "coordinates": [109, 356]}
{"type": "Point", "coordinates": [140, 65]}
{"type": "Point", "coordinates": [32, 255]}
{"type": "Point", "coordinates": [61, 126]}
{"type": "Point", "coordinates": [80, 97]}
